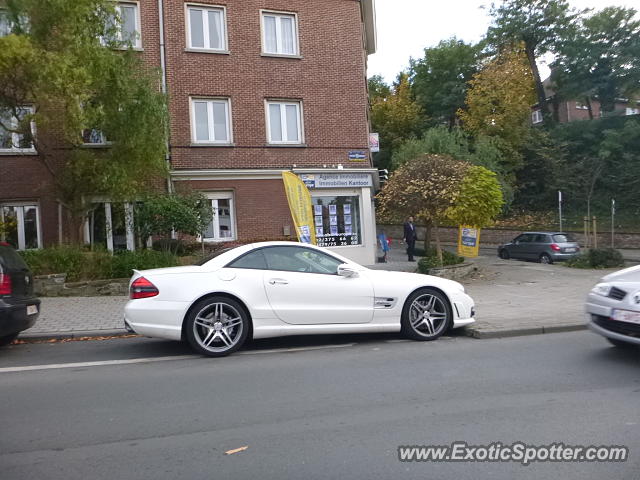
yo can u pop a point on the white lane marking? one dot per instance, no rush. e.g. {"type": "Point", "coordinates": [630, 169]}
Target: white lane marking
{"type": "Point", "coordinates": [53, 366]}
{"type": "Point", "coordinates": [297, 349]}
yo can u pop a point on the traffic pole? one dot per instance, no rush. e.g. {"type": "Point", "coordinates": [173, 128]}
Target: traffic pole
{"type": "Point", "coordinates": [613, 214]}
{"type": "Point", "coordinates": [560, 207]}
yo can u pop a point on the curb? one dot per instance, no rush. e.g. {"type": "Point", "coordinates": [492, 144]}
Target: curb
{"type": "Point", "coordinates": [519, 332]}
{"type": "Point", "coordinates": [74, 334]}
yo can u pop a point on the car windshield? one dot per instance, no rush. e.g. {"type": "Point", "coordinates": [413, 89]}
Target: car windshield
{"type": "Point", "coordinates": [10, 259]}
{"type": "Point", "coordinates": [562, 238]}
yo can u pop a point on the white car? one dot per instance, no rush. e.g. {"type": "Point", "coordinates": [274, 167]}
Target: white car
{"type": "Point", "coordinates": [613, 307]}
{"type": "Point", "coordinates": [273, 289]}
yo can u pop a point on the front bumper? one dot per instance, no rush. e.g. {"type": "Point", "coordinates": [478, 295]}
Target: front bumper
{"type": "Point", "coordinates": [622, 331]}
{"type": "Point", "coordinates": [14, 318]}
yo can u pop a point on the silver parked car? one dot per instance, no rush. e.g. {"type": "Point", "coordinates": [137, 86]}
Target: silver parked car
{"type": "Point", "coordinates": [544, 247]}
{"type": "Point", "coordinates": [613, 307]}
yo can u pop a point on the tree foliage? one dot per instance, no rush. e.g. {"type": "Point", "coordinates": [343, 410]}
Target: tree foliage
{"type": "Point", "coordinates": [439, 79]}
{"type": "Point", "coordinates": [480, 198]}
{"type": "Point", "coordinates": [64, 58]}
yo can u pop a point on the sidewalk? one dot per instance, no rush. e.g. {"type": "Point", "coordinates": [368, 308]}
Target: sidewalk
{"type": "Point", "coordinates": [512, 298]}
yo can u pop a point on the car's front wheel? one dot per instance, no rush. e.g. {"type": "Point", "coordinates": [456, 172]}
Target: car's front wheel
{"type": "Point", "coordinates": [217, 326]}
{"type": "Point", "coordinates": [426, 315]}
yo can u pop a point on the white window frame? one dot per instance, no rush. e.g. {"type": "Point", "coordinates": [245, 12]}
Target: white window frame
{"type": "Point", "coordinates": [3, 13]}
{"type": "Point", "coordinates": [210, 101]}
{"type": "Point", "coordinates": [137, 45]}
{"type": "Point", "coordinates": [296, 39]}
{"type": "Point", "coordinates": [581, 106]}
{"type": "Point", "coordinates": [19, 206]}
{"type": "Point", "coordinates": [214, 197]}
{"type": "Point", "coordinates": [632, 111]}
{"type": "Point", "coordinates": [103, 139]}
{"type": "Point", "coordinates": [205, 20]}
{"type": "Point", "coordinates": [129, 225]}
{"type": "Point", "coordinates": [15, 137]}
{"type": "Point", "coordinates": [283, 121]}
{"type": "Point", "coordinates": [536, 117]}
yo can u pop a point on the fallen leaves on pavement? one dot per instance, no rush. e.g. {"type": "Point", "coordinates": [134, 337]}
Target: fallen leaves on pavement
{"type": "Point", "coordinates": [236, 450]}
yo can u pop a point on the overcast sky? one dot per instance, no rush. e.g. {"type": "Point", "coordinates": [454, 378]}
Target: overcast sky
{"type": "Point", "coordinates": [406, 27]}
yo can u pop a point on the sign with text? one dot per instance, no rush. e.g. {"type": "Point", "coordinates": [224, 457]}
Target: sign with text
{"type": "Point", "coordinates": [357, 155]}
{"type": "Point", "coordinates": [374, 142]}
{"type": "Point", "coordinates": [337, 180]}
{"type": "Point", "coordinates": [468, 241]}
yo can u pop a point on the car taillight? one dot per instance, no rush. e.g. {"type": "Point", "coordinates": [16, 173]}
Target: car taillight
{"type": "Point", "coordinates": [5, 284]}
{"type": "Point", "coordinates": [142, 288]}
{"type": "Point", "coordinates": [555, 246]}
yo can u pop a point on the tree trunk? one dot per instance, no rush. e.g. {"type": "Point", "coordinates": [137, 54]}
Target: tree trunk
{"type": "Point", "coordinates": [542, 97]}
{"type": "Point", "coordinates": [427, 236]}
{"type": "Point", "coordinates": [438, 247]}
{"type": "Point", "coordinates": [587, 101]}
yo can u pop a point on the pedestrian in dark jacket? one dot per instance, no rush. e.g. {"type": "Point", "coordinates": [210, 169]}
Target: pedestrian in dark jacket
{"type": "Point", "coordinates": [410, 237]}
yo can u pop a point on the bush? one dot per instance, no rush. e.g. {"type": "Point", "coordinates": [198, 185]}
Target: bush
{"type": "Point", "coordinates": [80, 264]}
{"type": "Point", "coordinates": [176, 246]}
{"type": "Point", "coordinates": [431, 260]}
{"type": "Point", "coordinates": [598, 258]}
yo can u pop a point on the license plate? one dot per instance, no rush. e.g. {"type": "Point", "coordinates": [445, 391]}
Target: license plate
{"type": "Point", "coordinates": [32, 309]}
{"type": "Point", "coordinates": [569, 249]}
{"type": "Point", "coordinates": [626, 316]}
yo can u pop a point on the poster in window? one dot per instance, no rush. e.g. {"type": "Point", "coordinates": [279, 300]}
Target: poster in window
{"type": "Point", "coordinates": [333, 220]}
{"type": "Point", "coordinates": [347, 230]}
{"type": "Point", "coordinates": [318, 220]}
{"type": "Point", "coordinates": [347, 219]}
{"type": "Point", "coordinates": [334, 229]}
{"type": "Point", "coordinates": [347, 210]}
{"type": "Point", "coordinates": [317, 209]}
{"type": "Point", "coordinates": [319, 231]}
{"type": "Point", "coordinates": [333, 209]}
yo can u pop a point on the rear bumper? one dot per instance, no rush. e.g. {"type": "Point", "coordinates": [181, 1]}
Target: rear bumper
{"type": "Point", "coordinates": [560, 257]}
{"type": "Point", "coordinates": [14, 318]}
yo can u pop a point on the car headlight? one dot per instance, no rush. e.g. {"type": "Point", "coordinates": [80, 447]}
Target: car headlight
{"type": "Point", "coordinates": [601, 289]}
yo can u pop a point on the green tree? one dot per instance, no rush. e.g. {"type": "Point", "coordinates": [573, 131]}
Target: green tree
{"type": "Point", "coordinates": [439, 79]}
{"type": "Point", "coordinates": [539, 24]}
{"type": "Point", "coordinates": [480, 199]}
{"type": "Point", "coordinates": [394, 115]}
{"type": "Point", "coordinates": [602, 59]}
{"type": "Point", "coordinates": [65, 59]}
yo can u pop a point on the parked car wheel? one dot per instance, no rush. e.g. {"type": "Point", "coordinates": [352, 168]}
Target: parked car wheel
{"type": "Point", "coordinates": [620, 343]}
{"type": "Point", "coordinates": [544, 258]}
{"type": "Point", "coordinates": [426, 315]}
{"type": "Point", "coordinates": [504, 254]}
{"type": "Point", "coordinates": [217, 326]}
{"type": "Point", "coordinates": [7, 339]}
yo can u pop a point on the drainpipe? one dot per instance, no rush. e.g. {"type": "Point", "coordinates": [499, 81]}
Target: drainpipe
{"type": "Point", "coordinates": [163, 67]}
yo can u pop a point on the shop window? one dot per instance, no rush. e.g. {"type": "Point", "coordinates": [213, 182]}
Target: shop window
{"type": "Point", "coordinates": [110, 225]}
{"type": "Point", "coordinates": [222, 226]}
{"type": "Point", "coordinates": [337, 220]}
{"type": "Point", "coordinates": [20, 226]}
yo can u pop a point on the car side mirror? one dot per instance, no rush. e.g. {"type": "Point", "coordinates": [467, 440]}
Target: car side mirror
{"type": "Point", "coordinates": [345, 270]}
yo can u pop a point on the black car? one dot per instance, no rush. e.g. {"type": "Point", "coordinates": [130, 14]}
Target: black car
{"type": "Point", "coordinates": [19, 308]}
{"type": "Point", "coordinates": [545, 247]}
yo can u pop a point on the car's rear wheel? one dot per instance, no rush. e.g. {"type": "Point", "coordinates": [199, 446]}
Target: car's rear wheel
{"type": "Point", "coordinates": [217, 326]}
{"type": "Point", "coordinates": [545, 258]}
{"type": "Point", "coordinates": [620, 343]}
{"type": "Point", "coordinates": [7, 339]}
{"type": "Point", "coordinates": [426, 315]}
{"type": "Point", "coordinates": [504, 254]}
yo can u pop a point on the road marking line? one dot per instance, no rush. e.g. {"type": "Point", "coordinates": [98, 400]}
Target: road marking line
{"type": "Point", "coordinates": [296, 349]}
{"type": "Point", "coordinates": [94, 364]}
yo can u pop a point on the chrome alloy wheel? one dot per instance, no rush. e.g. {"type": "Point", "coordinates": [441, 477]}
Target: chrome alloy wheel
{"type": "Point", "coordinates": [218, 327]}
{"type": "Point", "coordinates": [428, 315]}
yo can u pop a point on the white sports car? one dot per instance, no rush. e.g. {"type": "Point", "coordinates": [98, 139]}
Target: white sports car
{"type": "Point", "coordinates": [274, 289]}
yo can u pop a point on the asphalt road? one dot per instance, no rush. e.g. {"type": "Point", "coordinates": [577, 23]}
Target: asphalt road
{"type": "Point", "coordinates": [312, 408]}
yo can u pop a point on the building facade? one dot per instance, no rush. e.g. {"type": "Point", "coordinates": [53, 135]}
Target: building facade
{"type": "Point", "coordinates": [255, 88]}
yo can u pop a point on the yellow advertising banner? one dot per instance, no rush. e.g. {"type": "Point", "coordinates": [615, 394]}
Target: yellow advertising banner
{"type": "Point", "coordinates": [300, 205]}
{"type": "Point", "coordinates": [468, 241]}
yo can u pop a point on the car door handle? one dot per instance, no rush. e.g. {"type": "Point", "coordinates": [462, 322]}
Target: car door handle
{"type": "Point", "coordinates": [278, 281]}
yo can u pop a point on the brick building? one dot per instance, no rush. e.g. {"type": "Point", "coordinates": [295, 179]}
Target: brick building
{"type": "Point", "coordinates": [255, 87]}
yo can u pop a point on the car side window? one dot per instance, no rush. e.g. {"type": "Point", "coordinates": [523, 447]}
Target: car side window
{"type": "Point", "coordinates": [298, 259]}
{"type": "Point", "coordinates": [523, 238]}
{"type": "Point", "coordinates": [542, 239]}
{"type": "Point", "coordinates": [254, 260]}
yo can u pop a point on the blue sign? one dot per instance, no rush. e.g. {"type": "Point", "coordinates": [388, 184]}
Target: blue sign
{"type": "Point", "coordinates": [357, 155]}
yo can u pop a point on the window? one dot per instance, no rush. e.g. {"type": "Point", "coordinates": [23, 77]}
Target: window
{"type": "Point", "coordinates": [20, 225]}
{"type": "Point", "coordinates": [279, 34]}
{"type": "Point", "coordinates": [93, 136]}
{"type": "Point", "coordinates": [632, 111]}
{"type": "Point", "coordinates": [298, 259]}
{"type": "Point", "coordinates": [337, 220]}
{"type": "Point", "coordinates": [581, 106]}
{"type": "Point", "coordinates": [5, 23]}
{"type": "Point", "coordinates": [14, 137]}
{"type": "Point", "coordinates": [284, 122]}
{"type": "Point", "coordinates": [536, 116]}
{"type": "Point", "coordinates": [253, 260]}
{"type": "Point", "coordinates": [206, 28]}
{"type": "Point", "coordinates": [125, 29]}
{"type": "Point", "coordinates": [222, 226]}
{"type": "Point", "coordinates": [210, 121]}
{"type": "Point", "coordinates": [111, 225]}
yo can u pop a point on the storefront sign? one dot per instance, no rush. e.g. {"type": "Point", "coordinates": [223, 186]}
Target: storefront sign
{"type": "Point", "coordinates": [468, 241]}
{"type": "Point", "coordinates": [339, 240]}
{"type": "Point", "coordinates": [357, 155]}
{"type": "Point", "coordinates": [374, 142]}
{"type": "Point", "coordinates": [337, 180]}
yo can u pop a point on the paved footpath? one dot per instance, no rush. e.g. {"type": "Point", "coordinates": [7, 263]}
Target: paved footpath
{"type": "Point", "coordinates": [512, 298]}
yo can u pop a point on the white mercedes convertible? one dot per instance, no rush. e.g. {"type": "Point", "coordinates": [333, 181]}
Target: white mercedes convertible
{"type": "Point", "coordinates": [274, 289]}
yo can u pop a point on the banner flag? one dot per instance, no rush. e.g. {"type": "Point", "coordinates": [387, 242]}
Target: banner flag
{"type": "Point", "coordinates": [300, 205]}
